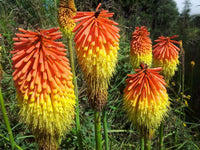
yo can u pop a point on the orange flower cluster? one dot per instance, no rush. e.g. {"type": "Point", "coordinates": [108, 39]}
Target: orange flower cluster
{"type": "Point", "coordinates": [165, 49]}
{"type": "Point", "coordinates": [43, 78]}
{"type": "Point", "coordinates": [145, 98]}
{"type": "Point", "coordinates": [67, 10]}
{"type": "Point", "coordinates": [166, 56]}
{"type": "Point", "coordinates": [96, 41]}
{"type": "Point", "coordinates": [141, 48]}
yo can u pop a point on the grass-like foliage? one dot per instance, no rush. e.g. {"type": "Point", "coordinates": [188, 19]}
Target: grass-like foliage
{"type": "Point", "coordinates": [181, 126]}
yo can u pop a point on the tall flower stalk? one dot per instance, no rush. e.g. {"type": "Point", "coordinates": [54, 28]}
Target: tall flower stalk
{"type": "Point", "coordinates": [96, 42]}
{"type": "Point", "coordinates": [43, 79]}
{"type": "Point", "coordinates": [165, 55]}
{"type": "Point", "coordinates": [141, 48]}
{"type": "Point", "coordinates": [146, 100]}
{"type": "Point", "coordinates": [141, 52]}
{"type": "Point", "coordinates": [67, 10]}
{"type": "Point", "coordinates": [5, 117]}
{"type": "Point", "coordinates": [182, 68]}
{"type": "Point", "coordinates": [78, 126]}
{"type": "Point", "coordinates": [104, 113]}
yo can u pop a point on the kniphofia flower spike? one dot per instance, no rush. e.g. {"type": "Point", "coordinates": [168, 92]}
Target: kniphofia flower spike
{"type": "Point", "coordinates": [165, 55]}
{"type": "Point", "coordinates": [67, 10]}
{"type": "Point", "coordinates": [145, 98]}
{"type": "Point", "coordinates": [96, 41]}
{"type": "Point", "coordinates": [141, 48]}
{"type": "Point", "coordinates": [43, 79]}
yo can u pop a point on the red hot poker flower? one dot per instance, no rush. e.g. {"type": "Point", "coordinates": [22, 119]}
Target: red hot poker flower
{"type": "Point", "coordinates": [145, 97]}
{"type": "Point", "coordinates": [165, 55]}
{"type": "Point", "coordinates": [43, 78]}
{"type": "Point", "coordinates": [97, 42]}
{"type": "Point", "coordinates": [141, 48]}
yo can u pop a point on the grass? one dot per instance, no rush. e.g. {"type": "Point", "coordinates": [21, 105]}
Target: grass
{"type": "Point", "coordinates": [181, 131]}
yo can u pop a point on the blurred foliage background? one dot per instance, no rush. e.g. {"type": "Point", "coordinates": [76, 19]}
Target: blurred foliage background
{"type": "Point", "coordinates": [162, 18]}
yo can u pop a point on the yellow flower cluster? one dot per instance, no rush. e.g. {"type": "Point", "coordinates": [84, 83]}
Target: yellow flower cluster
{"type": "Point", "coordinates": [67, 10]}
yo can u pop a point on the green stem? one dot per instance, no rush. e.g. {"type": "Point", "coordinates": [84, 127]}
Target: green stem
{"type": "Point", "coordinates": [182, 68]}
{"type": "Point", "coordinates": [142, 143]}
{"type": "Point", "coordinates": [97, 120]}
{"type": "Point", "coordinates": [105, 129]}
{"type": "Point", "coordinates": [161, 139]}
{"type": "Point", "coordinates": [7, 139]}
{"type": "Point", "coordinates": [147, 143]}
{"type": "Point", "coordinates": [142, 138]}
{"type": "Point", "coordinates": [5, 116]}
{"type": "Point", "coordinates": [78, 127]}
{"type": "Point", "coordinates": [118, 131]}
{"type": "Point", "coordinates": [182, 74]}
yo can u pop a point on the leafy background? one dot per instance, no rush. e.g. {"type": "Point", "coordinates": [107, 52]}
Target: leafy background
{"type": "Point", "coordinates": [162, 18]}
